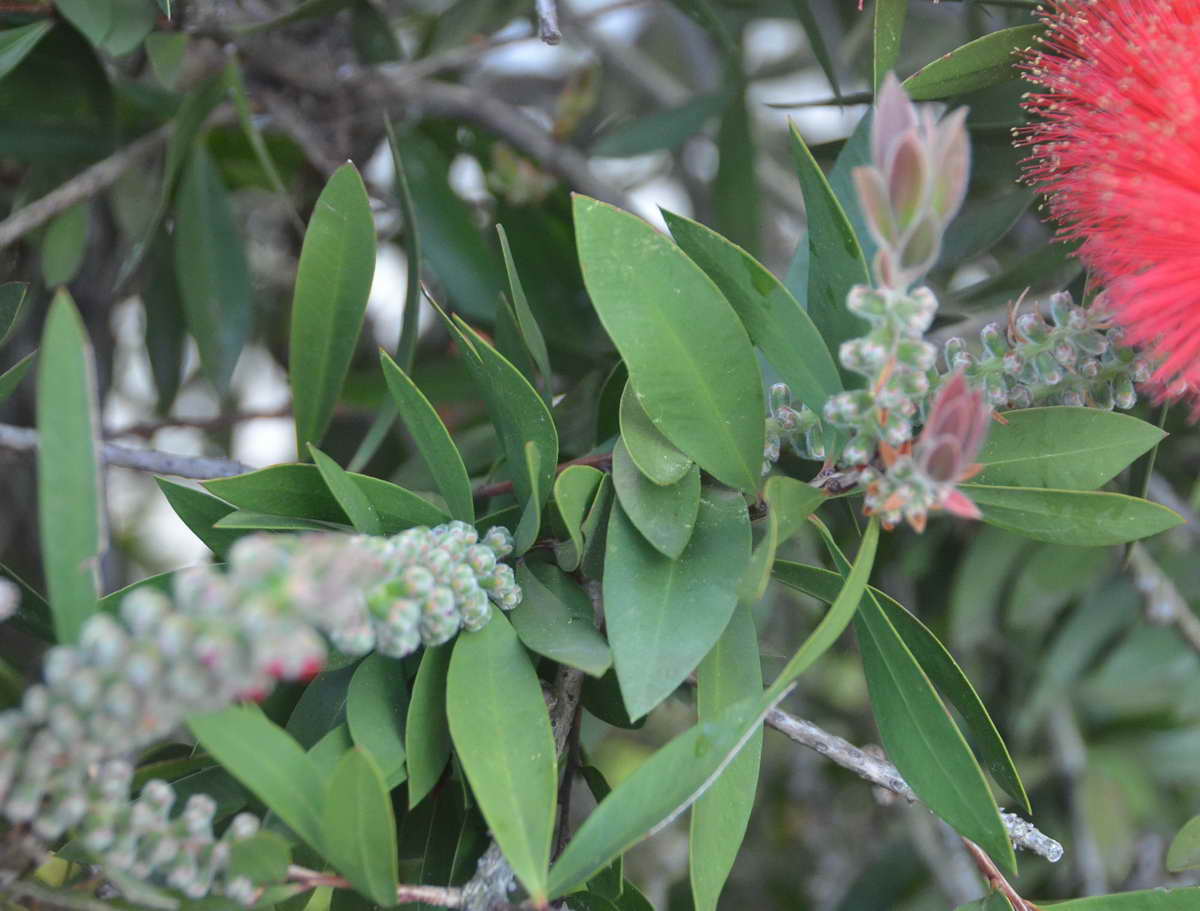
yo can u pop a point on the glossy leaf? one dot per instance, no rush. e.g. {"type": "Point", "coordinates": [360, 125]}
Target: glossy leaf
{"type": "Point", "coordinates": [350, 498]}
{"type": "Point", "coordinates": [731, 672]}
{"type": "Point", "coordinates": [574, 490]}
{"type": "Point", "coordinates": [1061, 447]}
{"type": "Point", "coordinates": [665, 516]}
{"type": "Point", "coordinates": [12, 299]}
{"type": "Point", "coordinates": [11, 378]}
{"type": "Point", "coordinates": [889, 26]}
{"type": "Point", "coordinates": [834, 251]}
{"type": "Point", "coordinates": [376, 706]}
{"type": "Point", "coordinates": [263, 858]}
{"type": "Point", "coordinates": [663, 616]}
{"type": "Point", "coordinates": [690, 361]}
{"type": "Point", "coordinates": [426, 731]}
{"type": "Point", "coordinates": [333, 280]}
{"type": "Point", "coordinates": [501, 733]}
{"type": "Point", "coordinates": [359, 827]}
{"type": "Point", "coordinates": [16, 43]}
{"type": "Point", "coordinates": [93, 18]}
{"type": "Point", "coordinates": [261, 521]}
{"type": "Point", "coordinates": [976, 65]}
{"type": "Point", "coordinates": [531, 333]}
{"type": "Point", "coordinates": [433, 441]}
{"type": "Point", "coordinates": [210, 265]}
{"type": "Point", "coordinates": [531, 515]}
{"type": "Point", "coordinates": [655, 456]}
{"type": "Point", "coordinates": [1081, 518]}
{"type": "Point", "coordinates": [555, 619]}
{"type": "Point", "coordinates": [775, 321]}
{"type": "Point", "coordinates": [595, 530]}
{"type": "Point", "coordinates": [1149, 900]}
{"type": "Point", "coordinates": [789, 503]}
{"type": "Point", "coordinates": [199, 511]}
{"type": "Point", "coordinates": [270, 763]}
{"type": "Point", "coordinates": [70, 512]}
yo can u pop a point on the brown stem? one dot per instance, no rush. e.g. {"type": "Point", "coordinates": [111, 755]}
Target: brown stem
{"type": "Point", "coordinates": [492, 490]}
{"type": "Point", "coordinates": [430, 895]}
{"type": "Point", "coordinates": [996, 879]}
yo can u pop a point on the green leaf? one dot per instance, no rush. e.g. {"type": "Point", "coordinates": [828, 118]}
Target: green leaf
{"type": "Point", "coordinates": [166, 332]}
{"type": "Point", "coordinates": [659, 790]}
{"type": "Point", "coordinates": [1048, 267]}
{"type": "Point", "coordinates": [199, 511]}
{"type": "Point", "coordinates": [664, 515]}
{"type": "Point", "coordinates": [306, 9]}
{"type": "Point", "coordinates": [432, 439]}
{"type": "Point", "coordinates": [321, 706]}
{"type": "Point", "coordinates": [33, 613]}
{"type": "Point", "coordinates": [574, 490]}
{"type": "Point", "coordinates": [789, 503]}
{"type": "Point", "coordinates": [210, 265]}
{"type": "Point", "coordinates": [261, 521]}
{"type": "Point", "coordinates": [1081, 518]}
{"type": "Point", "coordinates": [165, 6]}
{"type": "Point", "coordinates": [166, 51]}
{"type": "Point", "coordinates": [981, 225]}
{"type": "Point", "coordinates": [774, 319]}
{"type": "Point", "coordinates": [978, 583]}
{"type": "Point", "coordinates": [689, 359]}
{"type": "Point", "coordinates": [1062, 447]}
{"type": "Point", "coordinates": [840, 613]}
{"type": "Point", "coordinates": [501, 732]}
{"type": "Point", "coordinates": [263, 858]}
{"type": "Point", "coordinates": [889, 26]}
{"type": "Point", "coordinates": [349, 496]}
{"type": "Point", "coordinates": [531, 515]}
{"type": "Point", "coordinates": [15, 43]}
{"type": "Point", "coordinates": [664, 129]}
{"type": "Point", "coordinates": [1184, 853]}
{"type": "Point", "coordinates": [1150, 900]}
{"type": "Point", "coordinates": [333, 280]}
{"type": "Point", "coordinates": [976, 65]}
{"type": "Point", "coordinates": [816, 41]}
{"type": "Point", "coordinates": [664, 615]}
{"type": "Point", "coordinates": [836, 257]}
{"type": "Point", "coordinates": [237, 90]}
{"type": "Point", "coordinates": [531, 333]}
{"type": "Point", "coordinates": [595, 530]}
{"type": "Point", "coordinates": [11, 378]}
{"type": "Point", "coordinates": [372, 35]}
{"type": "Point", "coordinates": [731, 672]}
{"type": "Point", "coordinates": [555, 619]}
{"type": "Point", "coordinates": [992, 902]}
{"type": "Point", "coordinates": [376, 706]}
{"type": "Point", "coordinates": [655, 456]}
{"type": "Point", "coordinates": [426, 731]}
{"type": "Point", "coordinates": [359, 827]}
{"type": "Point", "coordinates": [270, 763]}
{"type": "Point", "coordinates": [70, 511]}
{"type": "Point", "coordinates": [64, 244]}
{"type": "Point", "coordinates": [132, 21]}
{"type": "Point", "coordinates": [938, 663]}
{"type": "Point", "coordinates": [735, 197]}
{"type": "Point", "coordinates": [12, 297]}
{"type": "Point", "coordinates": [517, 411]}
{"type": "Point", "coordinates": [92, 17]}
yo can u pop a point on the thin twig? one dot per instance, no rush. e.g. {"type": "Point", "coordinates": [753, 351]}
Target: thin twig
{"type": "Point", "coordinates": [217, 422]}
{"type": "Point", "coordinates": [995, 878]}
{"type": "Point", "coordinates": [24, 439]}
{"type": "Point", "coordinates": [1165, 606]}
{"type": "Point", "coordinates": [494, 490]}
{"type": "Point", "coordinates": [547, 20]}
{"type": "Point", "coordinates": [430, 895]}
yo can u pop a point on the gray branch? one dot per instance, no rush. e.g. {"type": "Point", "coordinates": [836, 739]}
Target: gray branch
{"type": "Point", "coordinates": [24, 439]}
{"type": "Point", "coordinates": [547, 20]}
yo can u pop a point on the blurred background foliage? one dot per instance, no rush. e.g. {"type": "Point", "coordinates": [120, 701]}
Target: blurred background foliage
{"type": "Point", "coordinates": [647, 103]}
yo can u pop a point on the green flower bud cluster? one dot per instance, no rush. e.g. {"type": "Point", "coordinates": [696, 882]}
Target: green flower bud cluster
{"type": "Point", "coordinates": [1073, 358]}
{"type": "Point", "coordinates": [895, 359]}
{"type": "Point", "coordinates": [801, 430]}
{"type": "Point", "coordinates": [136, 675]}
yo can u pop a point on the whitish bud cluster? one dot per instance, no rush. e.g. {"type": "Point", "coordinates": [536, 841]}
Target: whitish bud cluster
{"type": "Point", "coordinates": [1073, 358]}
{"type": "Point", "coordinates": [136, 675]}
{"type": "Point", "coordinates": [895, 359]}
{"type": "Point", "coordinates": [801, 430]}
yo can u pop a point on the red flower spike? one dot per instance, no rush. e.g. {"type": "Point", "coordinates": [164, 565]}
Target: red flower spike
{"type": "Point", "coordinates": [1117, 152]}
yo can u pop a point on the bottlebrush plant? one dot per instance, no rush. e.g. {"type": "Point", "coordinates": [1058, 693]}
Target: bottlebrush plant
{"type": "Point", "coordinates": [546, 566]}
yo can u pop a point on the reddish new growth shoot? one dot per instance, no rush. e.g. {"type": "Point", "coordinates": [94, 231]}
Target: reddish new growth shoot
{"type": "Point", "coordinates": [1116, 150]}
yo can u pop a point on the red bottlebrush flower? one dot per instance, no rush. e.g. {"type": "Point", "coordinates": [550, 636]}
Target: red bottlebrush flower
{"type": "Point", "coordinates": [1116, 149]}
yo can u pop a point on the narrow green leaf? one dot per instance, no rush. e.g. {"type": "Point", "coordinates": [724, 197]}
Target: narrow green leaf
{"type": "Point", "coordinates": [132, 21]}
{"type": "Point", "coordinates": [689, 359]}
{"type": "Point", "coordinates": [12, 297]}
{"type": "Point", "coordinates": [359, 827]}
{"type": "Point", "coordinates": [731, 672]}
{"type": "Point", "coordinates": [64, 244]}
{"type": "Point", "coordinates": [270, 763]}
{"type": "Point", "coordinates": [199, 511]}
{"type": "Point", "coordinates": [735, 198]}
{"type": "Point", "coordinates": [1184, 853]}
{"type": "Point", "coordinates": [976, 65]}
{"type": "Point", "coordinates": [789, 503]}
{"type": "Point", "coordinates": [349, 495]}
{"type": "Point", "coordinates": [210, 265]}
{"type": "Point", "coordinates": [1080, 518]}
{"type": "Point", "coordinates": [501, 732]}
{"type": "Point", "coordinates": [376, 706]}
{"type": "Point", "coordinates": [166, 324]}
{"type": "Point", "coordinates": [650, 600]}
{"type": "Point", "coordinates": [432, 439]}
{"type": "Point", "coordinates": [1062, 447]}
{"type": "Point", "coordinates": [321, 706]}
{"type": "Point", "coordinates": [889, 26]}
{"type": "Point", "coordinates": [595, 530]}
{"type": "Point", "coordinates": [261, 521]}
{"type": "Point", "coordinates": [11, 378]}
{"type": "Point", "coordinates": [665, 516]}
{"type": "Point", "coordinates": [774, 319]}
{"type": "Point", "coordinates": [655, 456]}
{"type": "Point", "coordinates": [166, 51]}
{"type": "Point", "coordinates": [33, 613]}
{"type": "Point", "coordinates": [70, 511]}
{"type": "Point", "coordinates": [93, 18]}
{"type": "Point", "coordinates": [574, 490]}
{"type": "Point", "coordinates": [840, 613]}
{"type": "Point", "coordinates": [979, 581]}
{"type": "Point", "coordinates": [531, 333]}
{"type": "Point", "coordinates": [241, 101]}
{"type": "Point", "coordinates": [372, 35]}
{"type": "Point", "coordinates": [981, 225]}
{"type": "Point", "coordinates": [665, 129]}
{"type": "Point", "coordinates": [555, 619]}
{"type": "Point", "coordinates": [263, 858]}
{"type": "Point", "coordinates": [835, 253]}
{"type": "Point", "coordinates": [426, 731]}
{"type": "Point", "coordinates": [816, 41]}
{"type": "Point", "coordinates": [407, 348]}
{"type": "Point", "coordinates": [531, 514]}
{"type": "Point", "coordinates": [1150, 900]}
{"type": "Point", "coordinates": [16, 43]}
{"type": "Point", "coordinates": [333, 280]}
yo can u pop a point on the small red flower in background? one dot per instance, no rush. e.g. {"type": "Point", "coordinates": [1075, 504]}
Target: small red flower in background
{"type": "Point", "coordinates": [1116, 150]}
